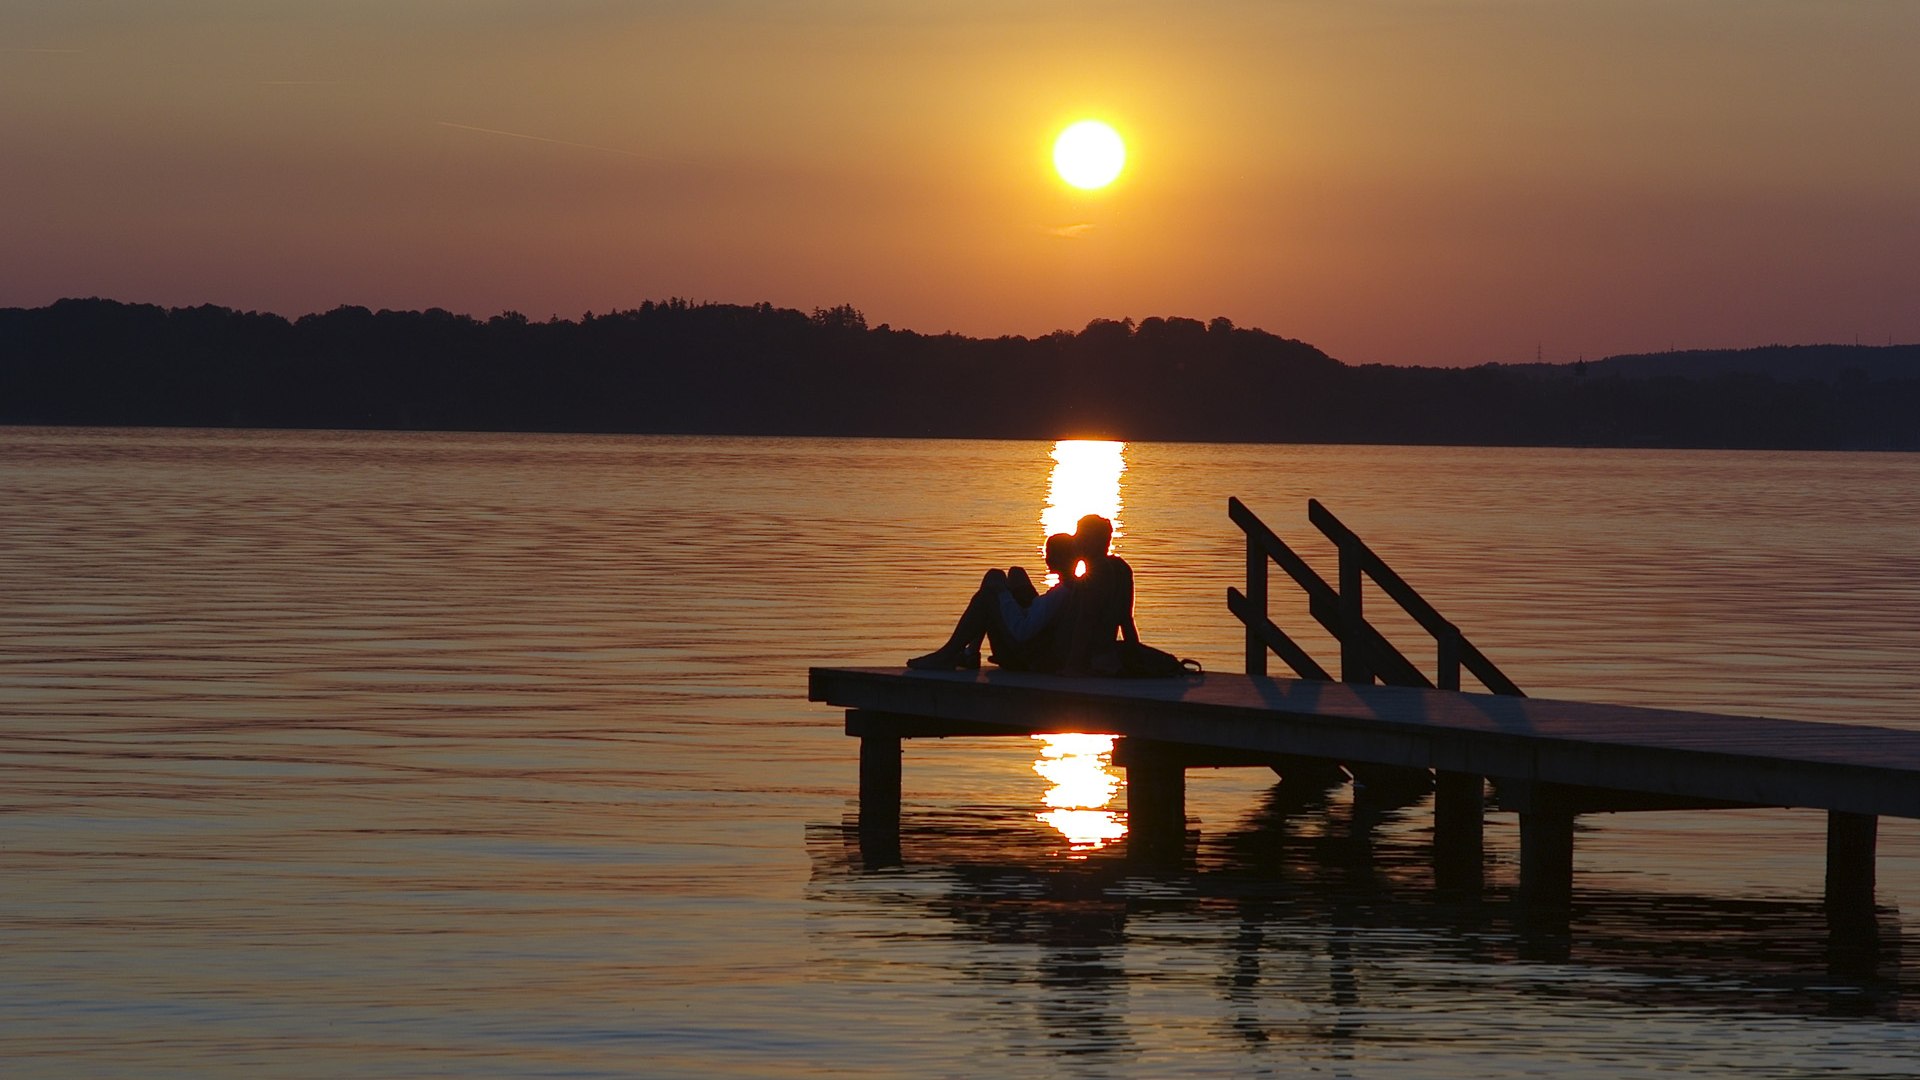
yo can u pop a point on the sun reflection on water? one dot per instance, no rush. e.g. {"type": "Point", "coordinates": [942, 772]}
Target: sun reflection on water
{"type": "Point", "coordinates": [1085, 480]}
{"type": "Point", "coordinates": [1080, 768]}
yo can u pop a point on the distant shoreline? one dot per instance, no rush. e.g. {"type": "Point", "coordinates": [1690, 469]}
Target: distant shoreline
{"type": "Point", "coordinates": [678, 368]}
{"type": "Point", "coordinates": [9, 424]}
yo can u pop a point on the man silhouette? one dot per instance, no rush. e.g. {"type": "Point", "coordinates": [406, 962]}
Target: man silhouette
{"type": "Point", "coordinates": [1102, 608]}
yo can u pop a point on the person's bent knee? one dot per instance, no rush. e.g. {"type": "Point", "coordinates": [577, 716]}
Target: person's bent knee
{"type": "Point", "coordinates": [994, 580]}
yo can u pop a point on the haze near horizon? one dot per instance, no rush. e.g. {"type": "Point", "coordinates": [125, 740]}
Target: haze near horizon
{"type": "Point", "coordinates": [1443, 182]}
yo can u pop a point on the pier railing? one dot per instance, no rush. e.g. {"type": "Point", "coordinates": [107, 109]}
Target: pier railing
{"type": "Point", "coordinates": [1365, 653]}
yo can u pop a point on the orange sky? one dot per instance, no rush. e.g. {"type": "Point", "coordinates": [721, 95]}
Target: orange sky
{"type": "Point", "coordinates": [1419, 181]}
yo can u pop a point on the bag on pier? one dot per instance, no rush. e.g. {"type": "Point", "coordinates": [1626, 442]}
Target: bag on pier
{"type": "Point", "coordinates": [1138, 660]}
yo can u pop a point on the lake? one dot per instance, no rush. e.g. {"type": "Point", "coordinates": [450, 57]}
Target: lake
{"type": "Point", "coordinates": [402, 754]}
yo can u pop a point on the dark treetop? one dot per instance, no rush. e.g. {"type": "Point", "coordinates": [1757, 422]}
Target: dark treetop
{"type": "Point", "coordinates": [676, 366]}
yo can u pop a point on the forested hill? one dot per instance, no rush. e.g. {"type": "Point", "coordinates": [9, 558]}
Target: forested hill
{"type": "Point", "coordinates": [676, 366]}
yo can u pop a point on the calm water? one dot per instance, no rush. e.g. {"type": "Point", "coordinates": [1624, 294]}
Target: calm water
{"type": "Point", "coordinates": [395, 754]}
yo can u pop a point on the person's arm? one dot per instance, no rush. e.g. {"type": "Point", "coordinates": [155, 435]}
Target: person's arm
{"type": "Point", "coordinates": [1124, 599]}
{"type": "Point", "coordinates": [1026, 623]}
{"type": "Point", "coordinates": [1046, 608]}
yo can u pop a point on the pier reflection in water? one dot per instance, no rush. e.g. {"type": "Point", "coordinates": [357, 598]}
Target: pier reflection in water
{"type": "Point", "coordinates": [1311, 929]}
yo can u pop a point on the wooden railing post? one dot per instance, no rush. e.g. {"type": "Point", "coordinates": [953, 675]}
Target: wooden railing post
{"type": "Point", "coordinates": [1257, 600]}
{"type": "Point", "coordinates": [1353, 662]}
{"type": "Point", "coordinates": [1448, 676]}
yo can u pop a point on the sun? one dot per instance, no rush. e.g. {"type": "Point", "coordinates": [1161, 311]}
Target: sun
{"type": "Point", "coordinates": [1089, 155]}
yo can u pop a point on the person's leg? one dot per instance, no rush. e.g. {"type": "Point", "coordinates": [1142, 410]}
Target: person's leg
{"type": "Point", "coordinates": [1006, 651]}
{"type": "Point", "coordinates": [1021, 586]}
{"type": "Point", "coordinates": [981, 619]}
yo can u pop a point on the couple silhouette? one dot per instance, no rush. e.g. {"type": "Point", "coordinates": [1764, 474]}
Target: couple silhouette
{"type": "Point", "coordinates": [1072, 628]}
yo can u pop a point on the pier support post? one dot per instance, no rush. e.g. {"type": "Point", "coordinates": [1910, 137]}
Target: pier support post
{"type": "Point", "coordinates": [1544, 918]}
{"type": "Point", "coordinates": [1546, 839]}
{"type": "Point", "coordinates": [1546, 855]}
{"type": "Point", "coordinates": [1850, 860]}
{"type": "Point", "coordinates": [1459, 828]}
{"type": "Point", "coordinates": [1156, 797]}
{"type": "Point", "coordinates": [879, 783]}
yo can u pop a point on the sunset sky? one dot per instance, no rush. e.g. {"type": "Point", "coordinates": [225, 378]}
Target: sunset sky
{"type": "Point", "coordinates": [1406, 181]}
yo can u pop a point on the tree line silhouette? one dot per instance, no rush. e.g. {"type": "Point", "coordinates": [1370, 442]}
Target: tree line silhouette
{"type": "Point", "coordinates": [680, 367]}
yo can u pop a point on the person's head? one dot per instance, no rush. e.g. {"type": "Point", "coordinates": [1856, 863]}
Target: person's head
{"type": "Point", "coordinates": [1094, 533]}
{"type": "Point", "coordinates": [1062, 553]}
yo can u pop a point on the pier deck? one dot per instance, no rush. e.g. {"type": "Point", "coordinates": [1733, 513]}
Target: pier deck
{"type": "Point", "coordinates": [1746, 759]}
{"type": "Point", "coordinates": [1553, 759]}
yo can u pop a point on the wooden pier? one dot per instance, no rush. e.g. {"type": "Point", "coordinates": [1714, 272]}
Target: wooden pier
{"type": "Point", "coordinates": [1551, 760]}
{"type": "Point", "coordinates": [1554, 759]}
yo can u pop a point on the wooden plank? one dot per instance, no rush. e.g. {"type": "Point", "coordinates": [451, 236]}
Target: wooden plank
{"type": "Point", "coordinates": [867, 723]}
{"type": "Point", "coordinates": [1200, 757]}
{"type": "Point", "coordinates": [1576, 799]}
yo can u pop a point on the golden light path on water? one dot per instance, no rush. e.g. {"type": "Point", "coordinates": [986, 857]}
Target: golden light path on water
{"type": "Point", "coordinates": [1080, 769]}
{"type": "Point", "coordinates": [1085, 480]}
